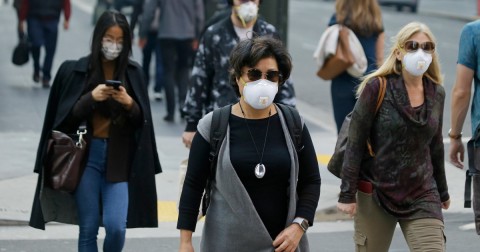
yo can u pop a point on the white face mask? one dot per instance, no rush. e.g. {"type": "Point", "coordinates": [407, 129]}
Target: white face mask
{"type": "Point", "coordinates": [247, 12]}
{"type": "Point", "coordinates": [111, 50]}
{"type": "Point", "coordinates": [417, 63]}
{"type": "Point", "coordinates": [260, 93]}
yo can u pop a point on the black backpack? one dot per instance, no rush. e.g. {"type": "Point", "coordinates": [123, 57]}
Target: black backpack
{"type": "Point", "coordinates": [218, 130]}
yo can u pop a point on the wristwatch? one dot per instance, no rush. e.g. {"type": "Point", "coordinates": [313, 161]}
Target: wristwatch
{"type": "Point", "coordinates": [302, 222]}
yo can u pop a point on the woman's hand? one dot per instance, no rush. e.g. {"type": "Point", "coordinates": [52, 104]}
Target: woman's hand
{"type": "Point", "coordinates": [102, 92]}
{"type": "Point", "coordinates": [446, 204]}
{"type": "Point", "coordinates": [350, 208]}
{"type": "Point", "coordinates": [288, 239]}
{"type": "Point", "coordinates": [122, 97]}
{"type": "Point", "coordinates": [186, 241]}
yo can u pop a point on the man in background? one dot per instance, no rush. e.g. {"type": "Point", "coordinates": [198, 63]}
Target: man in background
{"type": "Point", "coordinates": [210, 86]}
{"type": "Point", "coordinates": [42, 18]}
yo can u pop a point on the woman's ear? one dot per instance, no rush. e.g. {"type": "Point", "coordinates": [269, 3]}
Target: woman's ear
{"type": "Point", "coordinates": [398, 54]}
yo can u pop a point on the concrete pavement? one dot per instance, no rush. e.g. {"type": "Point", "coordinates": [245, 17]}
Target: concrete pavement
{"type": "Point", "coordinates": [17, 149]}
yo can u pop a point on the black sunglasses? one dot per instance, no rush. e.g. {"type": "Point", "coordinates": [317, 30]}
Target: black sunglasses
{"type": "Point", "coordinates": [254, 74]}
{"type": "Point", "coordinates": [412, 46]}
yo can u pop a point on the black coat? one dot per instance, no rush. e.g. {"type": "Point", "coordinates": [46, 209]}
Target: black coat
{"type": "Point", "coordinates": [50, 205]}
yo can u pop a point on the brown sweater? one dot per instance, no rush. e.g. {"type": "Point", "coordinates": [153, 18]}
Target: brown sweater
{"type": "Point", "coordinates": [119, 132]}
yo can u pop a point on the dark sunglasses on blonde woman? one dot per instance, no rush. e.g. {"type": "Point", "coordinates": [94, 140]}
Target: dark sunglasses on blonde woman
{"type": "Point", "coordinates": [412, 46]}
{"type": "Point", "coordinates": [254, 74]}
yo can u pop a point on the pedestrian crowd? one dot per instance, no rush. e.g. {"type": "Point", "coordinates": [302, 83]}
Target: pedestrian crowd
{"type": "Point", "coordinates": [252, 168]}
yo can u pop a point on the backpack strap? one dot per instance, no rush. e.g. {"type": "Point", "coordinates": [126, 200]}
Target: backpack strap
{"type": "Point", "coordinates": [218, 130]}
{"type": "Point", "coordinates": [294, 125]}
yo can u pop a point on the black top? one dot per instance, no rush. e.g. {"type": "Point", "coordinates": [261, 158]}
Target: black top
{"type": "Point", "coordinates": [269, 194]}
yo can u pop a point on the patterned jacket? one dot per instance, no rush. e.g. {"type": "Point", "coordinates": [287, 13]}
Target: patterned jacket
{"type": "Point", "coordinates": [210, 87]}
{"type": "Point", "coordinates": [408, 170]}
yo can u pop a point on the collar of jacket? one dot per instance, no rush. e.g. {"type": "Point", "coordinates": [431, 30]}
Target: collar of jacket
{"type": "Point", "coordinates": [82, 64]}
{"type": "Point", "coordinates": [229, 25]}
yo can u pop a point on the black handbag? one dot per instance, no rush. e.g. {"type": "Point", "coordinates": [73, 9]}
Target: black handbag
{"type": "Point", "coordinates": [21, 52]}
{"type": "Point", "coordinates": [64, 163]}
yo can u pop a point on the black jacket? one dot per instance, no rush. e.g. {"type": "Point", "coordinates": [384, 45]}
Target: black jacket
{"type": "Point", "coordinates": [59, 206]}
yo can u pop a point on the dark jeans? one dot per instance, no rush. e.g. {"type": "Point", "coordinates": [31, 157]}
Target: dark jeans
{"type": "Point", "coordinates": [343, 98]}
{"type": "Point", "coordinates": [96, 197]}
{"type": "Point", "coordinates": [177, 56]}
{"type": "Point", "coordinates": [151, 47]}
{"type": "Point", "coordinates": [43, 32]}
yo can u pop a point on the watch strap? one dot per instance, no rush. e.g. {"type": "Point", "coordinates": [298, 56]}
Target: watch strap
{"type": "Point", "coordinates": [303, 223]}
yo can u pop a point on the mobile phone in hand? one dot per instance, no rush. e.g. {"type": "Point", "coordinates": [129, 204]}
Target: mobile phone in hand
{"type": "Point", "coordinates": [113, 83]}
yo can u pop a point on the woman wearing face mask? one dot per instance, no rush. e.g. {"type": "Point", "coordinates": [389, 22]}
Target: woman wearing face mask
{"type": "Point", "coordinates": [117, 188]}
{"type": "Point", "coordinates": [264, 193]}
{"type": "Point", "coordinates": [405, 181]}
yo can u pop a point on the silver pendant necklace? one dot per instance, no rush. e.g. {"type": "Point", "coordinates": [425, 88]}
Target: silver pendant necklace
{"type": "Point", "coordinates": [260, 168]}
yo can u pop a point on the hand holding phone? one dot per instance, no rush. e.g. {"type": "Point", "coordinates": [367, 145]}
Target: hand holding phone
{"type": "Point", "coordinates": [113, 83]}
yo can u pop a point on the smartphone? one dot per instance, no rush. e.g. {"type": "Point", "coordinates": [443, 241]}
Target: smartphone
{"type": "Point", "coordinates": [114, 83]}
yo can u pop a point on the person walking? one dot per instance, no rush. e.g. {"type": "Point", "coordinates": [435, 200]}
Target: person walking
{"type": "Point", "coordinates": [364, 18]}
{"type": "Point", "coordinates": [467, 71]}
{"type": "Point", "coordinates": [149, 48]}
{"type": "Point", "coordinates": [405, 181]}
{"type": "Point", "coordinates": [210, 78]}
{"type": "Point", "coordinates": [180, 24]}
{"type": "Point", "coordinates": [42, 18]}
{"type": "Point", "coordinates": [264, 193]}
{"type": "Point", "coordinates": [117, 188]}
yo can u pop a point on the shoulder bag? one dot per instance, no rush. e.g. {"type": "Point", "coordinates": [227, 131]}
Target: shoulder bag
{"type": "Point", "coordinates": [64, 163]}
{"type": "Point", "coordinates": [336, 161]}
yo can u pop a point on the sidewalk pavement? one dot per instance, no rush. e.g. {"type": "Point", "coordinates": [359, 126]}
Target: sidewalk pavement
{"type": "Point", "coordinates": [17, 193]}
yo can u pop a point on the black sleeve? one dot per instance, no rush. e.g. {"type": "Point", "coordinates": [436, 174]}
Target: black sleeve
{"type": "Point", "coordinates": [198, 171]}
{"type": "Point", "coordinates": [309, 181]}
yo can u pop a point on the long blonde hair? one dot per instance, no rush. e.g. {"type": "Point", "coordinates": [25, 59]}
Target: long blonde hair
{"type": "Point", "coordinates": [392, 65]}
{"type": "Point", "coordinates": [364, 17]}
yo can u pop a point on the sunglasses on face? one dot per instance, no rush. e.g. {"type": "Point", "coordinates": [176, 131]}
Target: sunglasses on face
{"type": "Point", "coordinates": [412, 46]}
{"type": "Point", "coordinates": [244, 1]}
{"type": "Point", "coordinates": [254, 74]}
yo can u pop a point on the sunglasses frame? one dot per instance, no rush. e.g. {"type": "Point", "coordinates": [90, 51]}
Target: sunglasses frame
{"type": "Point", "coordinates": [267, 75]}
{"type": "Point", "coordinates": [419, 46]}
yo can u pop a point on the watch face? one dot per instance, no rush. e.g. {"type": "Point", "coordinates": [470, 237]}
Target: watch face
{"type": "Point", "coordinates": [305, 224]}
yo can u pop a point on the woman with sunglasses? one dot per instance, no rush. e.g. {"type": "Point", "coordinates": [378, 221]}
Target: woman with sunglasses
{"type": "Point", "coordinates": [405, 181]}
{"type": "Point", "coordinates": [264, 194]}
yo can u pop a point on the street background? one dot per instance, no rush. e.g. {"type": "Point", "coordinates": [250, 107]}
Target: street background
{"type": "Point", "coordinates": [22, 107]}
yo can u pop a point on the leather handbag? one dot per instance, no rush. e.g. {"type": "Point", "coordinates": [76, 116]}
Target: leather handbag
{"type": "Point", "coordinates": [21, 52]}
{"type": "Point", "coordinates": [336, 161]}
{"type": "Point", "coordinates": [340, 61]}
{"type": "Point", "coordinates": [64, 163]}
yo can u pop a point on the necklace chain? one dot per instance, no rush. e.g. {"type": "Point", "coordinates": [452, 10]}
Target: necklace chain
{"type": "Point", "coordinates": [251, 136]}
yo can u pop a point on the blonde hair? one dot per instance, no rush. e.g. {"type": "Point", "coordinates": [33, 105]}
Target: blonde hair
{"type": "Point", "coordinates": [392, 65]}
{"type": "Point", "coordinates": [364, 17]}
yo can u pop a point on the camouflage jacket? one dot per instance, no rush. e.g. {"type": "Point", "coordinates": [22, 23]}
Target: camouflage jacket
{"type": "Point", "coordinates": [210, 87]}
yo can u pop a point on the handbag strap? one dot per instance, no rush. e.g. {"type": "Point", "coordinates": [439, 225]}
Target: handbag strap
{"type": "Point", "coordinates": [381, 95]}
{"type": "Point", "coordinates": [82, 130]}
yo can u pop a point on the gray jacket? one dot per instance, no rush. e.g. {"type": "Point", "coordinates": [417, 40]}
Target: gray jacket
{"type": "Point", "coordinates": [179, 19]}
{"type": "Point", "coordinates": [232, 222]}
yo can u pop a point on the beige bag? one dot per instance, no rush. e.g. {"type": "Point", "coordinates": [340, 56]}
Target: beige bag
{"type": "Point", "coordinates": [341, 61]}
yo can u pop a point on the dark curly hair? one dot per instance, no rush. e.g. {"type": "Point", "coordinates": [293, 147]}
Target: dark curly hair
{"type": "Point", "coordinates": [250, 51]}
